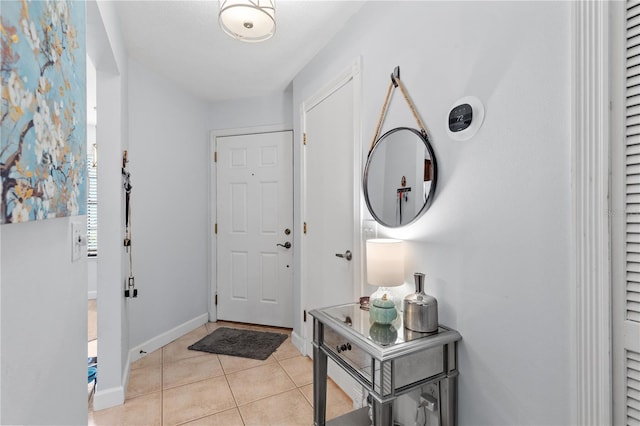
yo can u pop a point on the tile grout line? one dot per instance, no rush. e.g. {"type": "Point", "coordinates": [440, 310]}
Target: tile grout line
{"type": "Point", "coordinates": [286, 372]}
{"type": "Point", "coordinates": [209, 415]}
{"type": "Point", "coordinates": [305, 398]}
{"type": "Point", "coordinates": [264, 397]}
{"type": "Point", "coordinates": [192, 382]}
{"type": "Point", "coordinates": [299, 388]}
{"type": "Point", "coordinates": [236, 407]}
{"type": "Point", "coordinates": [242, 419]}
{"type": "Point", "coordinates": [270, 396]}
{"type": "Point", "coordinates": [296, 387]}
{"type": "Point", "coordinates": [235, 401]}
{"type": "Point", "coordinates": [246, 369]}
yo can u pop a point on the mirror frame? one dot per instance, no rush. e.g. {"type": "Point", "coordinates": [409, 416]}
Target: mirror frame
{"type": "Point", "coordinates": [434, 181]}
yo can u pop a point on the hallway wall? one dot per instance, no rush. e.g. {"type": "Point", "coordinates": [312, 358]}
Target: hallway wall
{"type": "Point", "coordinates": [43, 308]}
{"type": "Point", "coordinates": [495, 245]}
{"type": "Point", "coordinates": [168, 155]}
{"type": "Point", "coordinates": [252, 112]}
{"type": "Point", "coordinates": [106, 49]}
{"type": "Point", "coordinates": [43, 324]}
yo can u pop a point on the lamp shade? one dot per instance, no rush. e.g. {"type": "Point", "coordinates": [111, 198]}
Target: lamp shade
{"type": "Point", "coordinates": [385, 262]}
{"type": "Point", "coordinates": [248, 20]}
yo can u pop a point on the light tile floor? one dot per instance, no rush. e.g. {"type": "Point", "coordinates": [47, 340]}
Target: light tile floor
{"type": "Point", "coordinates": [174, 385]}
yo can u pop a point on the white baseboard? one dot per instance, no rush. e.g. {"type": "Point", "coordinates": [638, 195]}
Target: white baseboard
{"type": "Point", "coordinates": [93, 295]}
{"type": "Point", "coordinates": [298, 342]}
{"type": "Point", "coordinates": [108, 398]}
{"type": "Point", "coordinates": [111, 397]}
{"type": "Point", "coordinates": [167, 337]}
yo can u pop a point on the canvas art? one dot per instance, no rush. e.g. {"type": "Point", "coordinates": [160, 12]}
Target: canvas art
{"type": "Point", "coordinates": [43, 132]}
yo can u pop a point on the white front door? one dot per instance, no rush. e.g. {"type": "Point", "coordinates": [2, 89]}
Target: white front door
{"type": "Point", "coordinates": [331, 194]}
{"type": "Point", "coordinates": [255, 218]}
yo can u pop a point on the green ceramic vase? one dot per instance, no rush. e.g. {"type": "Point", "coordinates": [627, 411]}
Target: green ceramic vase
{"type": "Point", "coordinates": [383, 311]}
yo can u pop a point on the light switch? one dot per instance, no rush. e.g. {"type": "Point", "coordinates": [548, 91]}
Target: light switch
{"type": "Point", "coordinates": [78, 238]}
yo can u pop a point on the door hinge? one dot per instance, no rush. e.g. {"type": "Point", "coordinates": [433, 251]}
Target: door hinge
{"type": "Point", "coordinates": [215, 156]}
{"type": "Point", "coordinates": [215, 229]}
{"type": "Point", "coordinates": [304, 315]}
{"type": "Point", "coordinates": [304, 139]}
{"type": "Point", "coordinates": [216, 300]}
{"type": "Point", "coordinates": [304, 228]}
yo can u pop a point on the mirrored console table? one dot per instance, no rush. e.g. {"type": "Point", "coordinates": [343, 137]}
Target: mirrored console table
{"type": "Point", "coordinates": [387, 360]}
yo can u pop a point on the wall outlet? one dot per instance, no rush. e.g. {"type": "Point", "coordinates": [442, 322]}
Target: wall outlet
{"type": "Point", "coordinates": [369, 229]}
{"type": "Point", "coordinates": [78, 238]}
{"type": "Point", "coordinates": [429, 402]}
{"type": "Point", "coordinates": [432, 390]}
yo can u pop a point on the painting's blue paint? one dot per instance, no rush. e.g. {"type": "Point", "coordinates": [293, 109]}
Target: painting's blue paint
{"type": "Point", "coordinates": [43, 132]}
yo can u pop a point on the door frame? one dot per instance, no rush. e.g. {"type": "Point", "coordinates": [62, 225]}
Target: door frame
{"type": "Point", "coordinates": [213, 174]}
{"type": "Point", "coordinates": [592, 127]}
{"type": "Point", "coordinates": [352, 73]}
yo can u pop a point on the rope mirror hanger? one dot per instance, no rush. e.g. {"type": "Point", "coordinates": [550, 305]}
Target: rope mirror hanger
{"type": "Point", "coordinates": [396, 82]}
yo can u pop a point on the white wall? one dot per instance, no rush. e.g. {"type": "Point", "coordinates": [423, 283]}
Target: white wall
{"type": "Point", "coordinates": [92, 278]}
{"type": "Point", "coordinates": [44, 305]}
{"type": "Point", "coordinates": [495, 244]}
{"type": "Point", "coordinates": [106, 48]}
{"type": "Point", "coordinates": [252, 112]}
{"type": "Point", "coordinates": [1, 357]}
{"type": "Point", "coordinates": [43, 325]}
{"type": "Point", "coordinates": [168, 156]}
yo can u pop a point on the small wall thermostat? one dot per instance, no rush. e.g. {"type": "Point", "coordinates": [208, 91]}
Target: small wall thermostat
{"type": "Point", "coordinates": [465, 118]}
{"type": "Point", "coordinates": [460, 118]}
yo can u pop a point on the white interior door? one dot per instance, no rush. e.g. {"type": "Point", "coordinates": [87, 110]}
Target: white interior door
{"type": "Point", "coordinates": [255, 218]}
{"type": "Point", "coordinates": [331, 212]}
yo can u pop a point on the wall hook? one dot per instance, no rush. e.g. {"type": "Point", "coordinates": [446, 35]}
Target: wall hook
{"type": "Point", "coordinates": [395, 75]}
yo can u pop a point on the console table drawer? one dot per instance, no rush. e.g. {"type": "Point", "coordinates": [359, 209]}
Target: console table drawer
{"type": "Point", "coordinates": [408, 369]}
{"type": "Point", "coordinates": [418, 366]}
{"type": "Point", "coordinates": [349, 352]}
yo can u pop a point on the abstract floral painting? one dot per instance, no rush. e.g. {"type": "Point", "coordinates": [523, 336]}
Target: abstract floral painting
{"type": "Point", "coordinates": [43, 113]}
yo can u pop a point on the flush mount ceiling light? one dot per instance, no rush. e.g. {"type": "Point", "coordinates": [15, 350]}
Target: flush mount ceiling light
{"type": "Point", "coordinates": [248, 20]}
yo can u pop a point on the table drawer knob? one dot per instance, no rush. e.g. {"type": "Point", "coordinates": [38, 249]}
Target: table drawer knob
{"type": "Point", "coordinates": [343, 347]}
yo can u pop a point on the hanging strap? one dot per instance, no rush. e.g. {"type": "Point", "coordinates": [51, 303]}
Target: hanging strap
{"type": "Point", "coordinates": [396, 82]}
{"type": "Point", "coordinates": [130, 248]}
{"type": "Point", "coordinates": [127, 215]}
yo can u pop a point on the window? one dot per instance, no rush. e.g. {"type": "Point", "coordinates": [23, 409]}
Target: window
{"type": "Point", "coordinates": [92, 202]}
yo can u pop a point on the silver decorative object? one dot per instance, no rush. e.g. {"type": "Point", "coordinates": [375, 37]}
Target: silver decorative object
{"type": "Point", "coordinates": [420, 309]}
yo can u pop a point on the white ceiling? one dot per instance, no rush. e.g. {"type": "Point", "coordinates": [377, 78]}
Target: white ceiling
{"type": "Point", "coordinates": [181, 39]}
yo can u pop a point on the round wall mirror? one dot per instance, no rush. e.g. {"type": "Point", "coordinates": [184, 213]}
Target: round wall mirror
{"type": "Point", "coordinates": [400, 177]}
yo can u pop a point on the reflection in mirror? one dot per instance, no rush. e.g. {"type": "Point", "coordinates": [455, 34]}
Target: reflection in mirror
{"type": "Point", "coordinates": [400, 177]}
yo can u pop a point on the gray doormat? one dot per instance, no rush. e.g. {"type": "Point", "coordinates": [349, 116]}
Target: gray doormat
{"type": "Point", "coordinates": [240, 342]}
